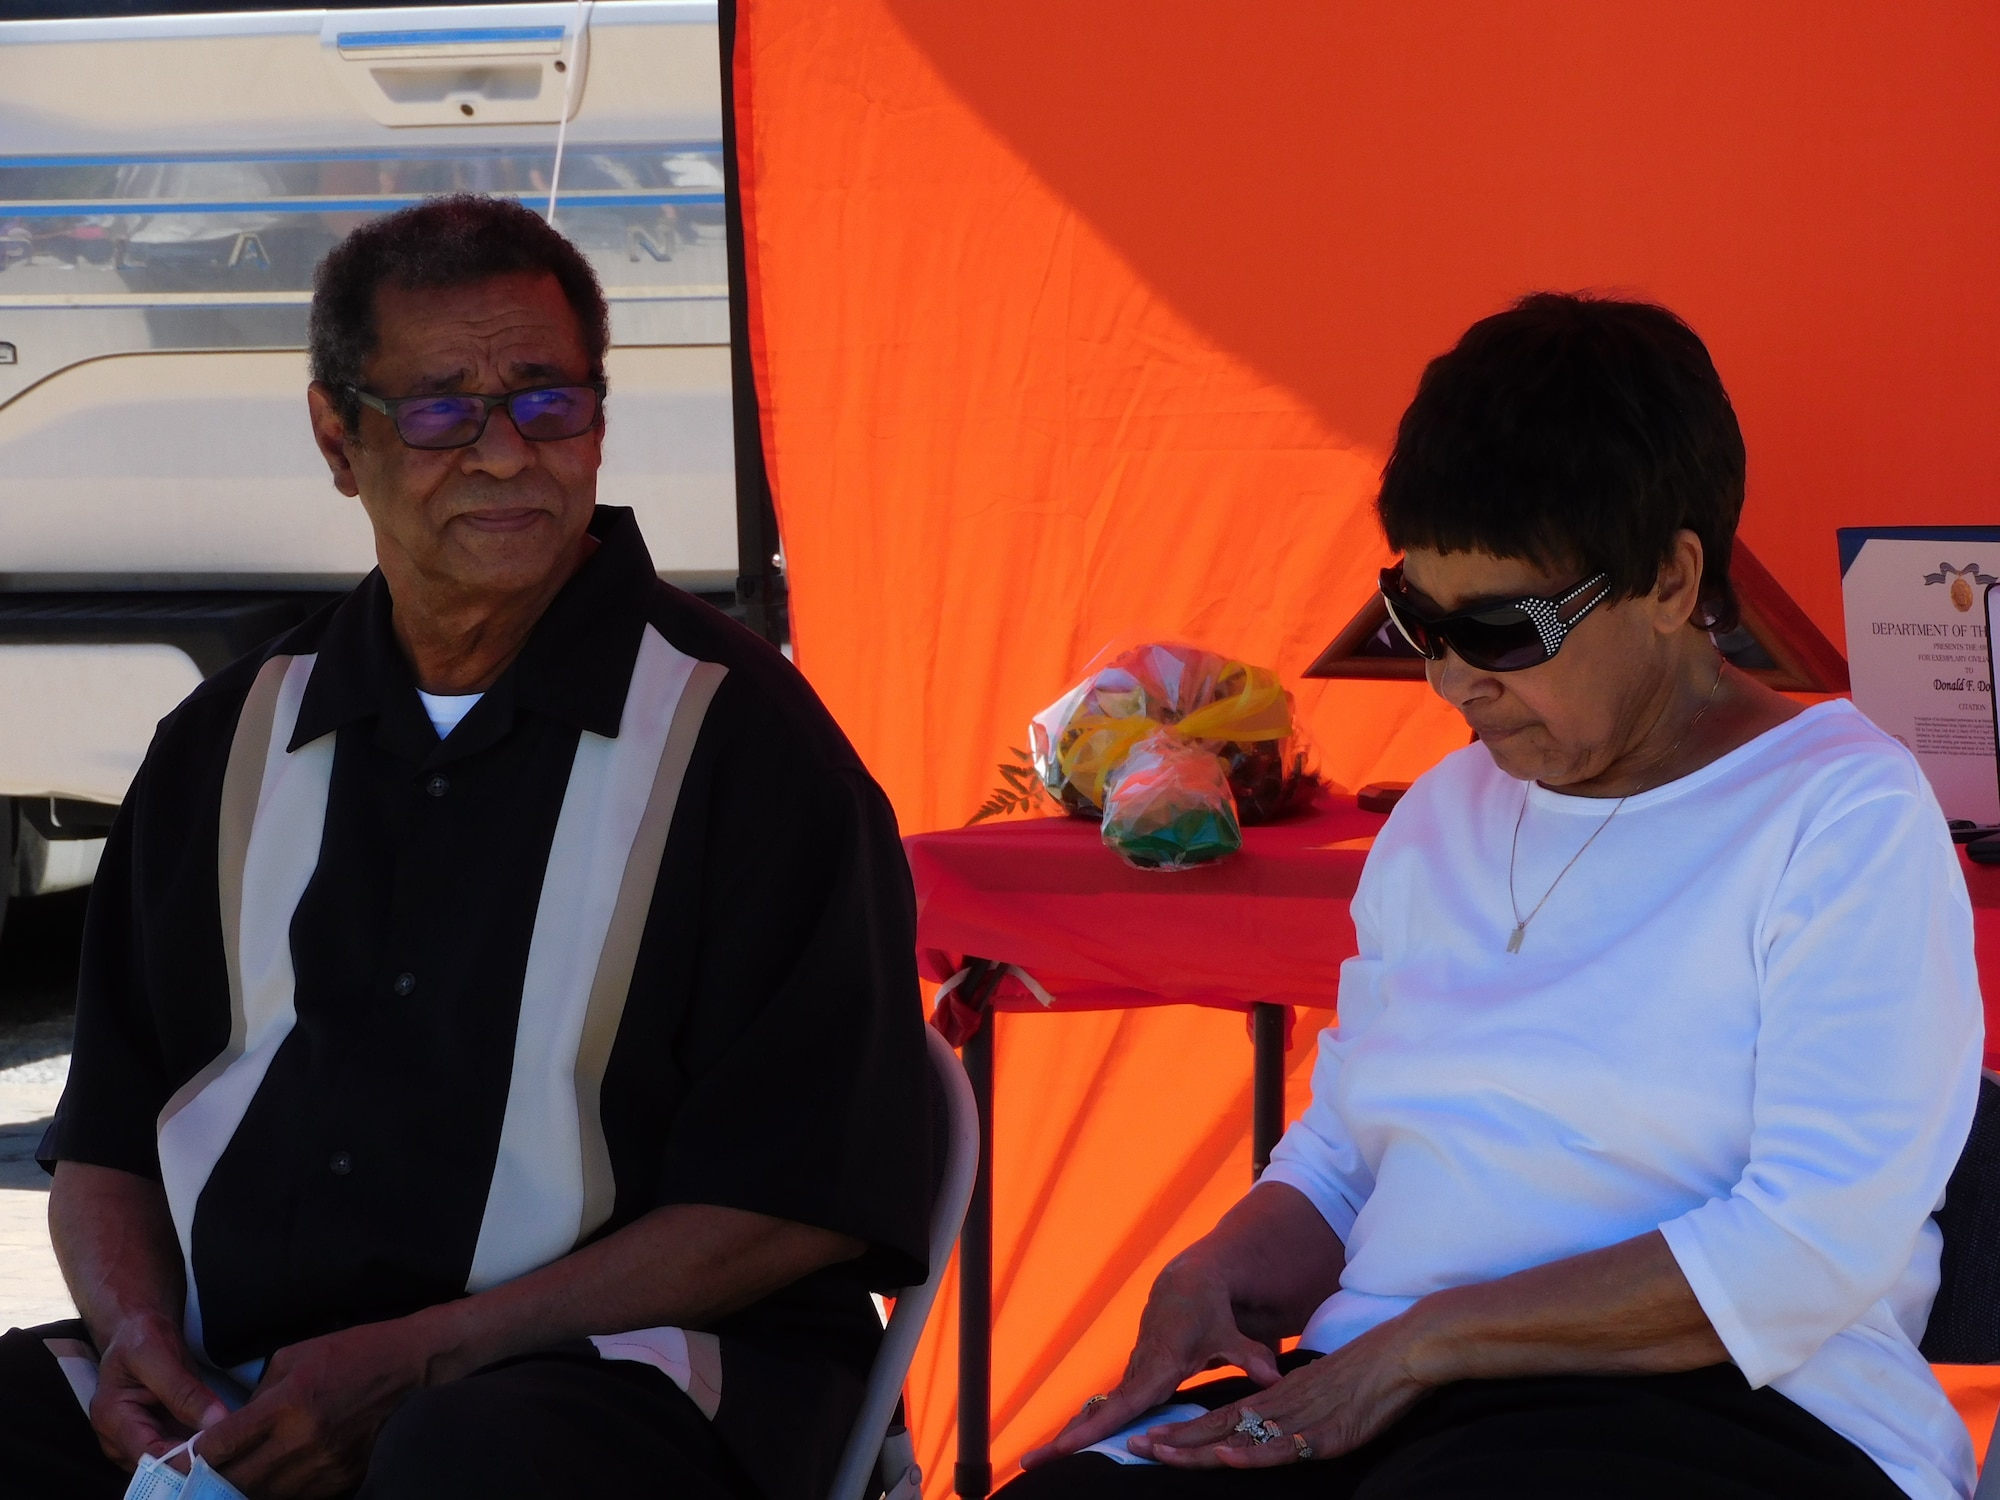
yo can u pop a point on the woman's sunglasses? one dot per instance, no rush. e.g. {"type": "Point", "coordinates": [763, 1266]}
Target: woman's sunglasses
{"type": "Point", "coordinates": [546, 414]}
{"type": "Point", "coordinates": [1505, 636]}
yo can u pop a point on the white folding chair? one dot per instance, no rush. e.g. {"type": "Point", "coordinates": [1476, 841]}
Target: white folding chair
{"type": "Point", "coordinates": [871, 1447]}
{"type": "Point", "coordinates": [1965, 1317]}
{"type": "Point", "coordinates": [1989, 1475]}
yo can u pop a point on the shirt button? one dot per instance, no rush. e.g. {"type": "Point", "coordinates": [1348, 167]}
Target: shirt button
{"type": "Point", "coordinates": [341, 1164]}
{"type": "Point", "coordinates": [405, 983]}
{"type": "Point", "coordinates": [437, 786]}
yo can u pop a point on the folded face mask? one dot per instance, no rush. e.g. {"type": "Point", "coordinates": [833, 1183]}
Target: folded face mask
{"type": "Point", "coordinates": [157, 1479]}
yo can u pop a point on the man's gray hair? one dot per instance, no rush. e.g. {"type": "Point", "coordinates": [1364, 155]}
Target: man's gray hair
{"type": "Point", "coordinates": [441, 242]}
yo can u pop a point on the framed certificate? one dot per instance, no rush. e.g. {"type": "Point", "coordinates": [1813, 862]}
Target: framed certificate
{"type": "Point", "coordinates": [1916, 605]}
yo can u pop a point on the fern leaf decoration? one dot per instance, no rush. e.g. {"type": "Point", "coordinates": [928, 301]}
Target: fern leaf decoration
{"type": "Point", "coordinates": [1020, 791]}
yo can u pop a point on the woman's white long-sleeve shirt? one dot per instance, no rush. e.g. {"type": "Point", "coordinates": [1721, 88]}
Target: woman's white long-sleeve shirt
{"type": "Point", "coordinates": [1748, 1017]}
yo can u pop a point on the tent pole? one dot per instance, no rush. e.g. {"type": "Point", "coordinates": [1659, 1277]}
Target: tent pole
{"type": "Point", "coordinates": [972, 1478]}
{"type": "Point", "coordinates": [1267, 1089]}
{"type": "Point", "coordinates": [760, 582]}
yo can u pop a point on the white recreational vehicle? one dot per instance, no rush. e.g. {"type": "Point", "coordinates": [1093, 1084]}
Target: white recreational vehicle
{"type": "Point", "coordinates": [167, 183]}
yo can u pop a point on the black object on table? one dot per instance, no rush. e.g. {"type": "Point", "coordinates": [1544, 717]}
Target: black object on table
{"type": "Point", "coordinates": [972, 1476]}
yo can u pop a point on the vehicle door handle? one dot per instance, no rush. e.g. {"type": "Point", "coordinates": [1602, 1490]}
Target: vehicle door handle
{"type": "Point", "coordinates": [413, 74]}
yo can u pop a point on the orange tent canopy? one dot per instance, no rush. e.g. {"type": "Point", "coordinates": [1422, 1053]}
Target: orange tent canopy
{"type": "Point", "coordinates": [1081, 321]}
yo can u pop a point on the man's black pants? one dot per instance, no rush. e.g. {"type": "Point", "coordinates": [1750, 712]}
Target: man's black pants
{"type": "Point", "coordinates": [1701, 1435]}
{"type": "Point", "coordinates": [540, 1428]}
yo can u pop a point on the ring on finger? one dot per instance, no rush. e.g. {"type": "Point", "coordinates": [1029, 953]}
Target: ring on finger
{"type": "Point", "coordinates": [1259, 1430]}
{"type": "Point", "coordinates": [1093, 1403]}
{"type": "Point", "coordinates": [1301, 1447]}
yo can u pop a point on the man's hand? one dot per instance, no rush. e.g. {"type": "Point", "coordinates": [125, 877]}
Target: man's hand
{"type": "Point", "coordinates": [1189, 1325]}
{"type": "Point", "coordinates": [308, 1430]}
{"type": "Point", "coordinates": [310, 1426]}
{"type": "Point", "coordinates": [114, 1239]}
{"type": "Point", "coordinates": [149, 1396]}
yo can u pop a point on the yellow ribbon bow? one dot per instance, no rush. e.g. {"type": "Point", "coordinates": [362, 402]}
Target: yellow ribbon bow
{"type": "Point", "coordinates": [1250, 704]}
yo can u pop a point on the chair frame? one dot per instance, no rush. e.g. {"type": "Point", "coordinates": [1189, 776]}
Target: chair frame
{"type": "Point", "coordinates": [1989, 1473]}
{"type": "Point", "coordinates": [864, 1453]}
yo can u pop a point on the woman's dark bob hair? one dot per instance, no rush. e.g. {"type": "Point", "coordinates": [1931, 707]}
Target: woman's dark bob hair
{"type": "Point", "coordinates": [1578, 433]}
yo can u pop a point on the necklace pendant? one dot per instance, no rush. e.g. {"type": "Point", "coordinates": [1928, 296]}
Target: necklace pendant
{"type": "Point", "coordinates": [1514, 942]}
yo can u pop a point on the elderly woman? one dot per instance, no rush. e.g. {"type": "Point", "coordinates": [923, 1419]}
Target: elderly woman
{"type": "Point", "coordinates": [1662, 1039]}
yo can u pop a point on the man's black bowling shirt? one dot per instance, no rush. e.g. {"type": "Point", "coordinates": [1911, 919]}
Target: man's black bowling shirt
{"type": "Point", "coordinates": [394, 1018]}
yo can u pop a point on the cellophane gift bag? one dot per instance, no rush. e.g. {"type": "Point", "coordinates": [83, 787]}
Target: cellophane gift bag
{"type": "Point", "coordinates": [1197, 703]}
{"type": "Point", "coordinates": [1168, 806]}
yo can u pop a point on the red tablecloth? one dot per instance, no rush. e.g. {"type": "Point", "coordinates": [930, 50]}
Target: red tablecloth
{"type": "Point", "coordinates": [1270, 924]}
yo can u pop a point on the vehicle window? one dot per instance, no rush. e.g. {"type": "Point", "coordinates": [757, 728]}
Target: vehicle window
{"type": "Point", "coordinates": [649, 215]}
{"type": "Point", "coordinates": [57, 10]}
{"type": "Point", "coordinates": [159, 230]}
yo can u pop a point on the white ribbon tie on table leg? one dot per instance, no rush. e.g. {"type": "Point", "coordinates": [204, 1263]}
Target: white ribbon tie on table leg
{"type": "Point", "coordinates": [1028, 982]}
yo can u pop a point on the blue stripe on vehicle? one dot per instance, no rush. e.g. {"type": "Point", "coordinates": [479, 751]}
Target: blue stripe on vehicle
{"type": "Point", "coordinates": [449, 36]}
{"type": "Point", "coordinates": [149, 208]}
{"type": "Point", "coordinates": [368, 153]}
{"type": "Point", "coordinates": [619, 200]}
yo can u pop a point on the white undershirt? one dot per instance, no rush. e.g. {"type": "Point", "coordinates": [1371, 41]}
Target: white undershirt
{"type": "Point", "coordinates": [1749, 1017]}
{"type": "Point", "coordinates": [446, 709]}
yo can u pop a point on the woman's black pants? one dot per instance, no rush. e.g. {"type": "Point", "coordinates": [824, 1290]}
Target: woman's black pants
{"type": "Point", "coordinates": [1701, 1435]}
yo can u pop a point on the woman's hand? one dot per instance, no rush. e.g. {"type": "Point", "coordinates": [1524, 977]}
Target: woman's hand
{"type": "Point", "coordinates": [1225, 1300]}
{"type": "Point", "coordinates": [1336, 1403]}
{"type": "Point", "coordinates": [1189, 1325]}
{"type": "Point", "coordinates": [1622, 1310]}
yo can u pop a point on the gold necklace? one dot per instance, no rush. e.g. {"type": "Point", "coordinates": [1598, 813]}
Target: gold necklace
{"type": "Point", "coordinates": [1521, 922]}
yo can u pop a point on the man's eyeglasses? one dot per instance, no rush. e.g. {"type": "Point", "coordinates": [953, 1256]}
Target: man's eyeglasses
{"type": "Point", "coordinates": [545, 414]}
{"type": "Point", "coordinates": [1505, 636]}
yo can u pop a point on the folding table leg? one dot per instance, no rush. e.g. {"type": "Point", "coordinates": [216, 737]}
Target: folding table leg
{"type": "Point", "coordinates": [973, 1475]}
{"type": "Point", "coordinates": [1267, 1087]}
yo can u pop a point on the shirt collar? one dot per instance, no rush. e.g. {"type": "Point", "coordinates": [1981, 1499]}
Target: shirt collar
{"type": "Point", "coordinates": [576, 665]}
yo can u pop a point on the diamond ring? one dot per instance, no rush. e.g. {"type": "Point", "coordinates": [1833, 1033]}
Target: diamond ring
{"type": "Point", "coordinates": [1258, 1429]}
{"type": "Point", "coordinates": [1301, 1447]}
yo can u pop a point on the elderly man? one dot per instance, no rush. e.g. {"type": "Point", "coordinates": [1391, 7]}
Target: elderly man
{"type": "Point", "coordinates": [499, 1069]}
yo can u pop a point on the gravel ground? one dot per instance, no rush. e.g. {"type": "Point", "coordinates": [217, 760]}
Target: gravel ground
{"type": "Point", "coordinates": [37, 1015]}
